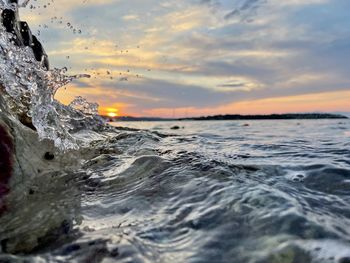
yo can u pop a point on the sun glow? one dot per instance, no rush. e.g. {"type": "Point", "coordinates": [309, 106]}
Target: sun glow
{"type": "Point", "coordinates": [112, 112]}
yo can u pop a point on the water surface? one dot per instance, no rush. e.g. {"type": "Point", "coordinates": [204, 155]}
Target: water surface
{"type": "Point", "coordinates": [215, 191]}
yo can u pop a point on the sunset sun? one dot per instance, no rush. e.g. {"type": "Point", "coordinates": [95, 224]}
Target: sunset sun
{"type": "Point", "coordinates": [112, 112]}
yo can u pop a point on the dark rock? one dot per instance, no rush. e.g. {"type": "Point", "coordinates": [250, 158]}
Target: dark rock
{"type": "Point", "coordinates": [6, 164]}
{"type": "Point", "coordinates": [22, 35]}
{"type": "Point", "coordinates": [9, 21]}
{"type": "Point", "coordinates": [49, 156]}
{"type": "Point", "coordinates": [175, 128]}
{"type": "Point", "coordinates": [3, 245]}
{"type": "Point", "coordinates": [39, 53]}
{"type": "Point", "coordinates": [25, 33]}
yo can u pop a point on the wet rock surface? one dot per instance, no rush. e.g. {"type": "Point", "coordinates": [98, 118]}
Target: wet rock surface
{"type": "Point", "coordinates": [28, 172]}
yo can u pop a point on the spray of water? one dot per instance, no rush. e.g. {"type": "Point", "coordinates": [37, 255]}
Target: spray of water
{"type": "Point", "coordinates": [29, 89]}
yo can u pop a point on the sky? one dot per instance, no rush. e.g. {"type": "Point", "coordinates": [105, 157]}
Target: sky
{"type": "Point", "coordinates": [178, 58]}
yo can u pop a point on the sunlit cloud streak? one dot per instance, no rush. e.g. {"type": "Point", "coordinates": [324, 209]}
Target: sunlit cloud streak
{"type": "Point", "coordinates": [199, 54]}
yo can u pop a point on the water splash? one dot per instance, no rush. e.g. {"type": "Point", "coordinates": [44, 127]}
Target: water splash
{"type": "Point", "coordinates": [12, 5]}
{"type": "Point", "coordinates": [5, 4]}
{"type": "Point", "coordinates": [29, 90]}
{"type": "Point", "coordinates": [83, 105]}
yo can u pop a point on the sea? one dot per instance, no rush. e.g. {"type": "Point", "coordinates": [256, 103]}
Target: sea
{"type": "Point", "coordinates": [211, 191]}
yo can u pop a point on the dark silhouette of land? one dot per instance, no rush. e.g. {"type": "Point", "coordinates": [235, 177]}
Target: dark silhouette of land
{"type": "Point", "coordinates": [288, 116]}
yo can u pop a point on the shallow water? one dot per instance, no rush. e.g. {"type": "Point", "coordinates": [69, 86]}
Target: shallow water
{"type": "Point", "coordinates": [270, 191]}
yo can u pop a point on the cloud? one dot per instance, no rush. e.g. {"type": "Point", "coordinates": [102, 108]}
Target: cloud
{"type": "Point", "coordinates": [242, 9]}
{"type": "Point", "coordinates": [183, 54]}
{"type": "Point", "coordinates": [246, 9]}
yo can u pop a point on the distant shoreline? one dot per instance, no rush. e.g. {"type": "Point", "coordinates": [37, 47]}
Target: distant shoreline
{"type": "Point", "coordinates": [237, 117]}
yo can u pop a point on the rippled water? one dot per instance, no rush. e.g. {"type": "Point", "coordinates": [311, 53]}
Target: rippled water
{"type": "Point", "coordinates": [270, 191]}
